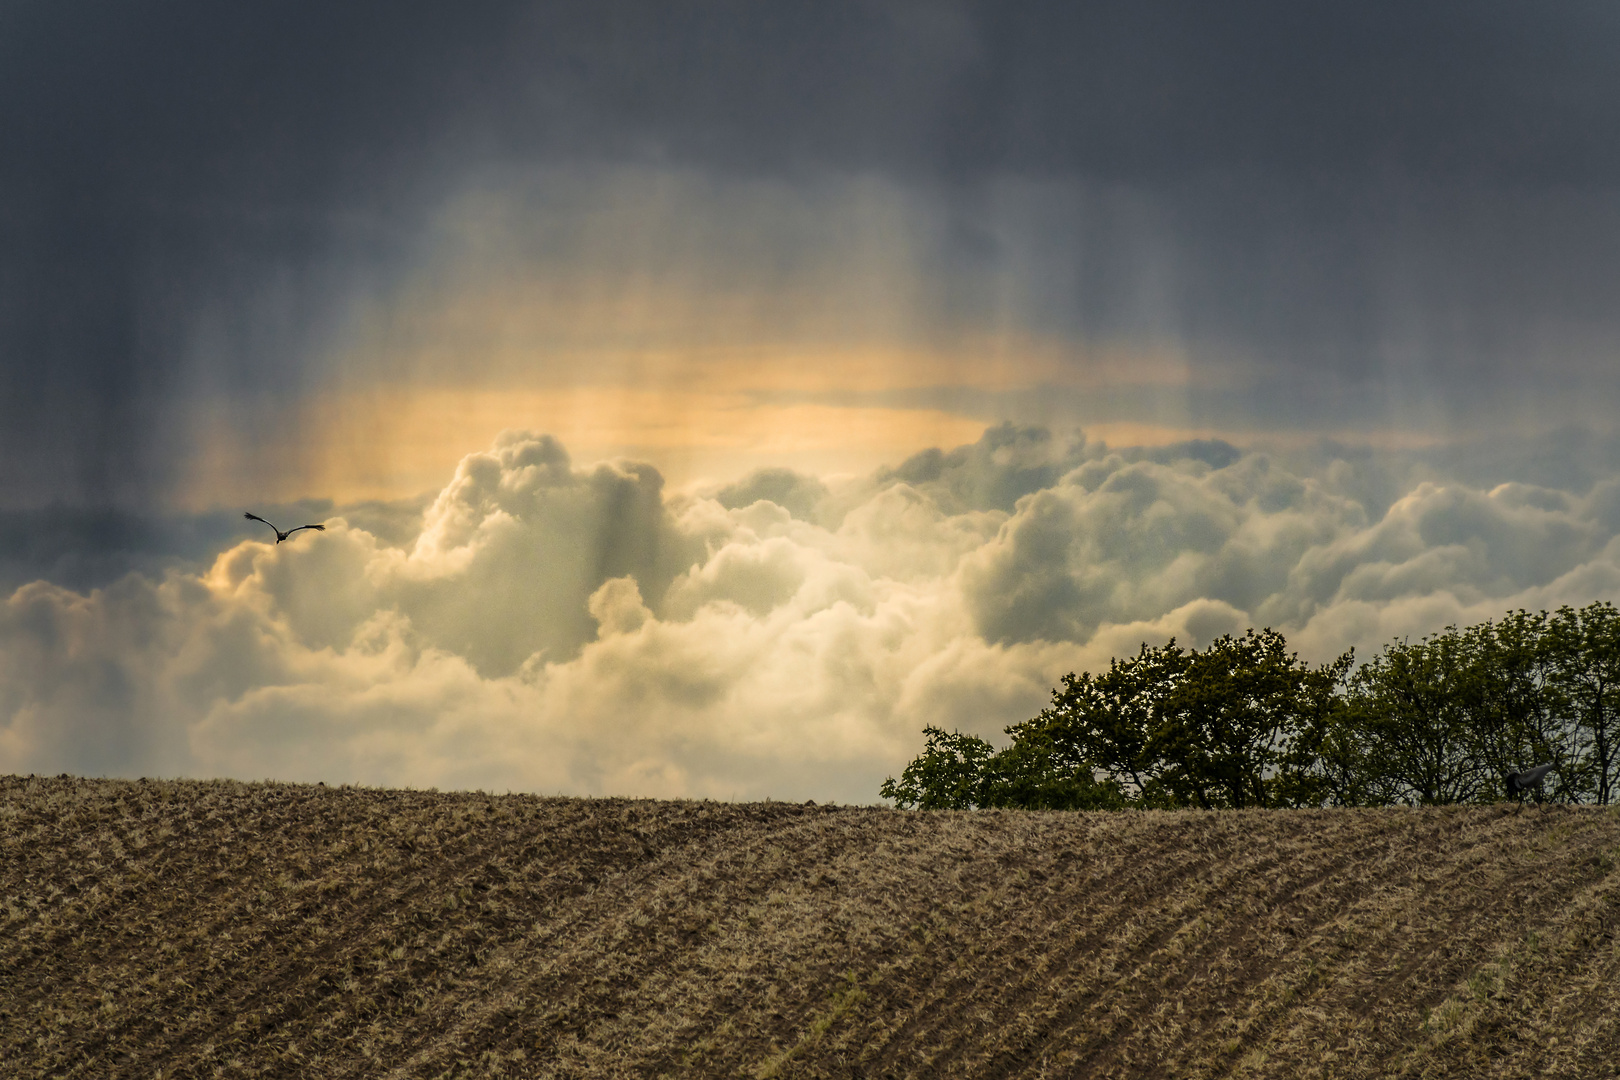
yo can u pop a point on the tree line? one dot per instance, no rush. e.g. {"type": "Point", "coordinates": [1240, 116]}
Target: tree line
{"type": "Point", "coordinates": [1246, 723]}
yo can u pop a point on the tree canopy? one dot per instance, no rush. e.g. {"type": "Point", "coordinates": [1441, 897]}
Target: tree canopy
{"type": "Point", "coordinates": [1246, 723]}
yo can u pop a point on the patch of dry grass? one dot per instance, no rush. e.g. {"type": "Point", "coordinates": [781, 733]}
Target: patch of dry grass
{"type": "Point", "coordinates": [183, 929]}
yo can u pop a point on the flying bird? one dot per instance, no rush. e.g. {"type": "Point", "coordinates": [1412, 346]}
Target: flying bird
{"type": "Point", "coordinates": [280, 536]}
{"type": "Point", "coordinates": [1519, 782]}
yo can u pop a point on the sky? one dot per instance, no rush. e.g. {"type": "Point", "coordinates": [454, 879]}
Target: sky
{"type": "Point", "coordinates": [702, 398]}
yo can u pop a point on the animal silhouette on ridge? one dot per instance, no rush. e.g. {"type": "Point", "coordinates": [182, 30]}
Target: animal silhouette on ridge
{"type": "Point", "coordinates": [1520, 782]}
{"type": "Point", "coordinates": [280, 536]}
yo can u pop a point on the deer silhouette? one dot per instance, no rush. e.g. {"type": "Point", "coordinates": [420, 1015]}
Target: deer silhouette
{"type": "Point", "coordinates": [1520, 782]}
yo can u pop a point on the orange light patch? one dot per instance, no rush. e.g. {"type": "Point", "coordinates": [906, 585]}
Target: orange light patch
{"type": "Point", "coordinates": [393, 443]}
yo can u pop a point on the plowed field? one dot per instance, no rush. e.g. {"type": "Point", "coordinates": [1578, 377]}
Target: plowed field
{"type": "Point", "coordinates": [182, 929]}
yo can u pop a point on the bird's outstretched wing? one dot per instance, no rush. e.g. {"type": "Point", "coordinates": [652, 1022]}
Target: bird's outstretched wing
{"type": "Point", "coordinates": [318, 528]}
{"type": "Point", "coordinates": [255, 517]}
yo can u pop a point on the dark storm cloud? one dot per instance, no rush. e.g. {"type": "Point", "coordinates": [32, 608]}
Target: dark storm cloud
{"type": "Point", "coordinates": [85, 548]}
{"type": "Point", "coordinates": [1352, 195]}
{"type": "Point", "coordinates": [163, 160]}
{"type": "Point", "coordinates": [1155, 91]}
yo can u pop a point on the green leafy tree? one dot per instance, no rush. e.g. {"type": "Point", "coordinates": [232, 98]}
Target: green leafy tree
{"type": "Point", "coordinates": [1039, 773]}
{"type": "Point", "coordinates": [1585, 645]}
{"type": "Point", "coordinates": [948, 775]}
{"type": "Point", "coordinates": [1113, 721]}
{"type": "Point", "coordinates": [1240, 727]}
{"type": "Point", "coordinates": [1232, 726]}
{"type": "Point", "coordinates": [1409, 704]}
{"type": "Point", "coordinates": [964, 772]}
{"type": "Point", "coordinates": [1235, 725]}
{"type": "Point", "coordinates": [1246, 723]}
{"type": "Point", "coordinates": [1445, 719]}
{"type": "Point", "coordinates": [1336, 761]}
{"type": "Point", "coordinates": [1519, 714]}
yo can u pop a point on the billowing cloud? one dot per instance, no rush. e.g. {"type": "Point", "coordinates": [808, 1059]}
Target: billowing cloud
{"type": "Point", "coordinates": [555, 627]}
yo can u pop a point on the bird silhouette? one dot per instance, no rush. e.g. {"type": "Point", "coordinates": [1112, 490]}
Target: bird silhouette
{"type": "Point", "coordinates": [1520, 782]}
{"type": "Point", "coordinates": [280, 536]}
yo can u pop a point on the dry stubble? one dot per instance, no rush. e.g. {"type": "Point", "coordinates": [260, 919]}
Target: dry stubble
{"type": "Point", "coordinates": [213, 929]}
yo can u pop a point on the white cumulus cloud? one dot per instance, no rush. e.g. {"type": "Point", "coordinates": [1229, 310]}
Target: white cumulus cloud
{"type": "Point", "coordinates": [553, 627]}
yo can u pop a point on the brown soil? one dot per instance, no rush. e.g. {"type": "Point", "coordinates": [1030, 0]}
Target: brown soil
{"type": "Point", "coordinates": [182, 929]}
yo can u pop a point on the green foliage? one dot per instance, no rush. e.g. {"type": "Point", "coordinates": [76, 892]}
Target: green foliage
{"type": "Point", "coordinates": [1246, 723]}
{"type": "Point", "coordinates": [948, 775]}
{"type": "Point", "coordinates": [1409, 706]}
{"type": "Point", "coordinates": [1443, 720]}
{"type": "Point", "coordinates": [1585, 646]}
{"type": "Point", "coordinates": [1038, 773]}
{"type": "Point", "coordinates": [964, 772]}
{"type": "Point", "coordinates": [1227, 727]}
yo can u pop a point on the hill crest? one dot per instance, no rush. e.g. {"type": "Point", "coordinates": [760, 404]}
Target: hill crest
{"type": "Point", "coordinates": [228, 929]}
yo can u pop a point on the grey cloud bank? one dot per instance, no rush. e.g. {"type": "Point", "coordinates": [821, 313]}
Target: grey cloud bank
{"type": "Point", "coordinates": [1406, 210]}
{"type": "Point", "coordinates": [553, 627]}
